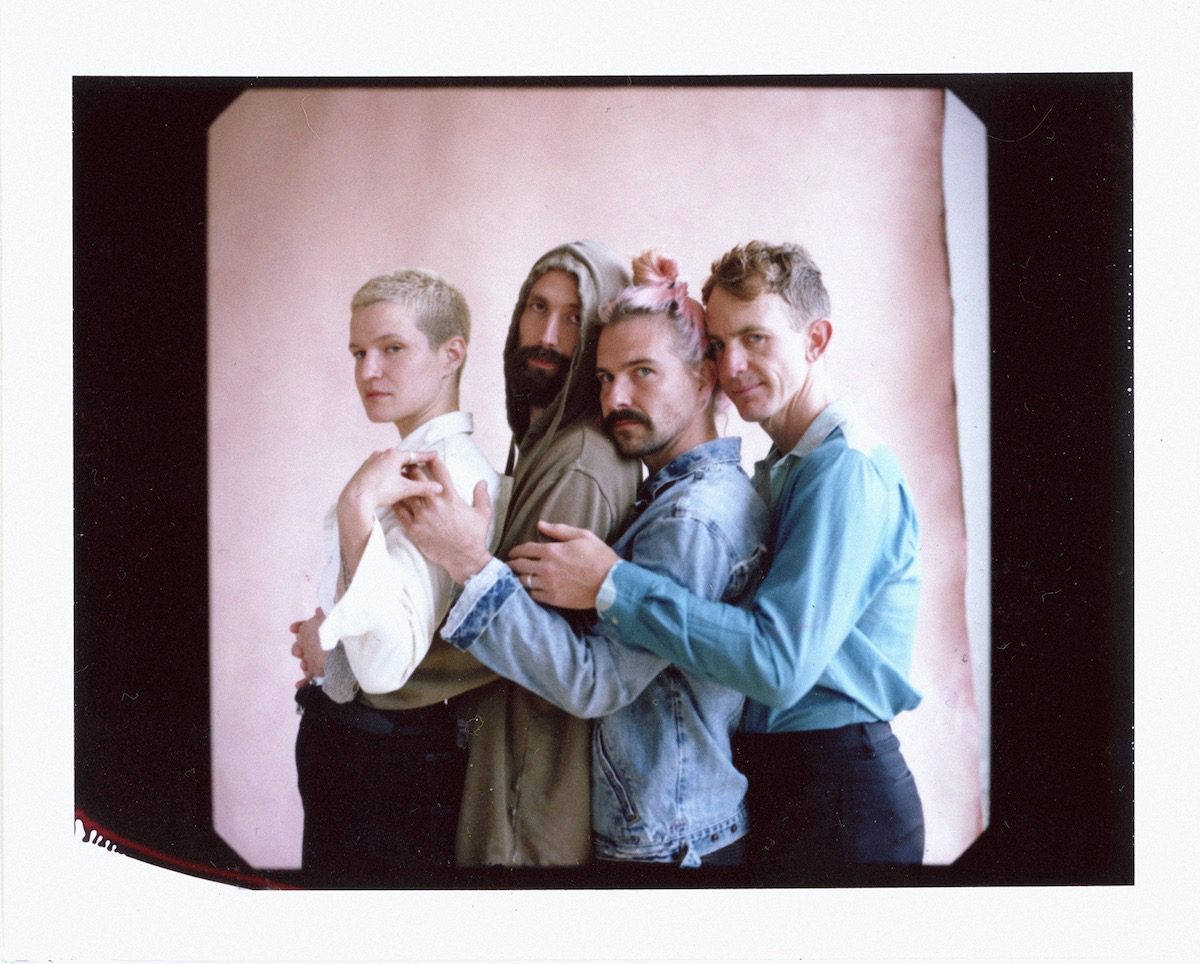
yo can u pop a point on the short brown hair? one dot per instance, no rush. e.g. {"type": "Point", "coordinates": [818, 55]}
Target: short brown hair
{"type": "Point", "coordinates": [787, 270]}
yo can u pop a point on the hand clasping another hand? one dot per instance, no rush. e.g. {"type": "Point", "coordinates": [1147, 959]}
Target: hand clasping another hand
{"type": "Point", "coordinates": [567, 573]}
{"type": "Point", "coordinates": [449, 533]}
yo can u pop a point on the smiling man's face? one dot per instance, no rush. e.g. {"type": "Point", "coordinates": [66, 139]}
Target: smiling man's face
{"type": "Point", "coordinates": [761, 360]}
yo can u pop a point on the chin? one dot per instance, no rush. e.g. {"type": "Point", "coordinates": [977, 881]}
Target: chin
{"type": "Point", "coordinates": [748, 413]}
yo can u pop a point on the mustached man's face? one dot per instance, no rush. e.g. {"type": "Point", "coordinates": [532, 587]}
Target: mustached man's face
{"type": "Point", "coordinates": [547, 336]}
{"type": "Point", "coordinates": [653, 403]}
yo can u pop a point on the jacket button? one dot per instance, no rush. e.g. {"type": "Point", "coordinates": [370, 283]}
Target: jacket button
{"type": "Point", "coordinates": [716, 837]}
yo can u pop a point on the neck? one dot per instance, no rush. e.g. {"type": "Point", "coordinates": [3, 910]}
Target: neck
{"type": "Point", "coordinates": [702, 429]}
{"type": "Point", "coordinates": [787, 426]}
{"type": "Point", "coordinates": [406, 426]}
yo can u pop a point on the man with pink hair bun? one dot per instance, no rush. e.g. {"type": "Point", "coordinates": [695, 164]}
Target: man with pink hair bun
{"type": "Point", "coordinates": [664, 787]}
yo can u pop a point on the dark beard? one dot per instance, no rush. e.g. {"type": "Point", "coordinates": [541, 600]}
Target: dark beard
{"type": "Point", "coordinates": [534, 386]}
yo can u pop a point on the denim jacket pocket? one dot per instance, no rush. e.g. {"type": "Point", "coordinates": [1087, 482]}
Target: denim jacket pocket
{"type": "Point", "coordinates": [616, 787]}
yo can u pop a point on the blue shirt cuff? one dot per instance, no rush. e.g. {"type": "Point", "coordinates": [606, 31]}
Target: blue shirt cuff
{"type": "Point", "coordinates": [607, 595]}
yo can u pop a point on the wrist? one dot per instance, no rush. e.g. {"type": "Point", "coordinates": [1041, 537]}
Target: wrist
{"type": "Point", "coordinates": [467, 565]}
{"type": "Point", "coordinates": [355, 510]}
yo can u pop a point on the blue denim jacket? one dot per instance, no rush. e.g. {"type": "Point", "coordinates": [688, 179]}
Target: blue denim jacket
{"type": "Point", "coordinates": [664, 787]}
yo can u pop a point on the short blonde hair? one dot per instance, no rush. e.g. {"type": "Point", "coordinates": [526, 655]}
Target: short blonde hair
{"type": "Point", "coordinates": [442, 311]}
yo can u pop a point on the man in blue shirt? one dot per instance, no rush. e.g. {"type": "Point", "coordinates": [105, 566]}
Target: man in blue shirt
{"type": "Point", "coordinates": [664, 787]}
{"type": "Point", "coordinates": [824, 648]}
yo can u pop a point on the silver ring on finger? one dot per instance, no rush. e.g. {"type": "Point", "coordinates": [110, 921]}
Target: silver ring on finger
{"type": "Point", "coordinates": [529, 581]}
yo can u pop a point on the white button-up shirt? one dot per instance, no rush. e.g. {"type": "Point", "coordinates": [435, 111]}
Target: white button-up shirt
{"type": "Point", "coordinates": [386, 618]}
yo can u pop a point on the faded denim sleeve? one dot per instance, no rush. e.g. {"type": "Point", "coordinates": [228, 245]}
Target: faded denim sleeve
{"type": "Point", "coordinates": [832, 554]}
{"type": "Point", "coordinates": [587, 674]}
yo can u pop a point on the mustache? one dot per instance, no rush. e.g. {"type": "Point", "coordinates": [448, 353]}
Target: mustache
{"type": "Point", "coordinates": [624, 415]}
{"type": "Point", "coordinates": [541, 353]}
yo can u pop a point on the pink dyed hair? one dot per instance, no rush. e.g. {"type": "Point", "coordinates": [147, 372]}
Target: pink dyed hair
{"type": "Point", "coordinates": [657, 290]}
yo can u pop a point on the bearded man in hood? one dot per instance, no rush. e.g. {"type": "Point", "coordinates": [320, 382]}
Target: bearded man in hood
{"type": "Point", "coordinates": [527, 798]}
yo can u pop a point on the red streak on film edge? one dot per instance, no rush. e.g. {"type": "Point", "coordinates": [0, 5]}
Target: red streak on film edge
{"type": "Point", "coordinates": [200, 870]}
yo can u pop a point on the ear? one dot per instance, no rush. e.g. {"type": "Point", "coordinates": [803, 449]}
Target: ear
{"type": "Point", "coordinates": [819, 333]}
{"type": "Point", "coordinates": [453, 352]}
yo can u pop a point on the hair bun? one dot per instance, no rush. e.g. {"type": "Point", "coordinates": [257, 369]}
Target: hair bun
{"type": "Point", "coordinates": [652, 267]}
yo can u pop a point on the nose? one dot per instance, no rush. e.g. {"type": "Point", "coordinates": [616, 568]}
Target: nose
{"type": "Point", "coordinates": [614, 395]}
{"type": "Point", "coordinates": [731, 362]}
{"type": "Point", "coordinates": [552, 331]}
{"type": "Point", "coordinates": [369, 367]}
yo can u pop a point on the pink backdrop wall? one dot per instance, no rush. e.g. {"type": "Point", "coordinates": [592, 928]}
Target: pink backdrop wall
{"type": "Point", "coordinates": [314, 191]}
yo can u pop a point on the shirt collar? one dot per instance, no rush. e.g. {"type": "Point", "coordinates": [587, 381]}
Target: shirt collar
{"type": "Point", "coordinates": [428, 434]}
{"type": "Point", "coordinates": [770, 472]}
{"type": "Point", "coordinates": [706, 453]}
{"type": "Point", "coordinates": [832, 417]}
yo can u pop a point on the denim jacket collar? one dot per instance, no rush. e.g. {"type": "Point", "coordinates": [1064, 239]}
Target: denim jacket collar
{"type": "Point", "coordinates": [718, 451]}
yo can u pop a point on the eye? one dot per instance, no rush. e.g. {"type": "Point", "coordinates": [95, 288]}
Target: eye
{"type": "Point", "coordinates": [755, 338]}
{"type": "Point", "coordinates": [604, 378]}
{"type": "Point", "coordinates": [392, 349]}
{"type": "Point", "coordinates": [576, 319]}
{"type": "Point", "coordinates": [358, 354]}
{"type": "Point", "coordinates": [536, 304]}
{"type": "Point", "coordinates": [643, 372]}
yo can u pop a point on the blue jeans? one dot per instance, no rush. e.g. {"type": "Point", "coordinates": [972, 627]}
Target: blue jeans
{"type": "Point", "coordinates": [823, 799]}
{"type": "Point", "coordinates": [381, 789]}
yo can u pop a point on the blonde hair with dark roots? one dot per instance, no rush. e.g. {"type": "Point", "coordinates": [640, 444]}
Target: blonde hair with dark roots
{"type": "Point", "coordinates": [657, 290]}
{"type": "Point", "coordinates": [442, 311]}
{"type": "Point", "coordinates": [787, 270]}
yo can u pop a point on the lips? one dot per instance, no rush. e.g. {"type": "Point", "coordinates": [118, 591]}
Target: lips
{"type": "Point", "coordinates": [740, 391]}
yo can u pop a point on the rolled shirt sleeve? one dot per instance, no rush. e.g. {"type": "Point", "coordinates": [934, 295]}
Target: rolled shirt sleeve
{"type": "Point", "coordinates": [388, 614]}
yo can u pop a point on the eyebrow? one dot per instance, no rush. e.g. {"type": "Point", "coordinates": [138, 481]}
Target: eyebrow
{"type": "Point", "coordinates": [737, 332]}
{"type": "Point", "coordinates": [631, 363]}
{"type": "Point", "coordinates": [389, 336]}
{"type": "Point", "coordinates": [537, 294]}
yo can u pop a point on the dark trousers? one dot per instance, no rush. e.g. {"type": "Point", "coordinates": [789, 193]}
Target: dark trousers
{"type": "Point", "coordinates": [381, 790]}
{"type": "Point", "coordinates": [827, 799]}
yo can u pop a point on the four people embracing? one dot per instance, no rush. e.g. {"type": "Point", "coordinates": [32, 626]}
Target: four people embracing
{"type": "Point", "coordinates": [624, 649]}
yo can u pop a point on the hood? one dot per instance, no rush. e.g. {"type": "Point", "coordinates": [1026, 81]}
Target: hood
{"type": "Point", "coordinates": [600, 275]}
